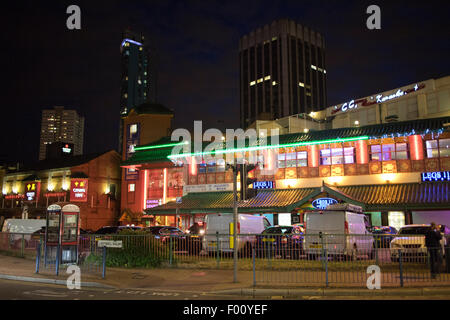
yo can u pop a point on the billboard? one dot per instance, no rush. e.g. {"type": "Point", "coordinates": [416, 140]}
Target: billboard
{"type": "Point", "coordinates": [32, 190]}
{"type": "Point", "coordinates": [78, 190]}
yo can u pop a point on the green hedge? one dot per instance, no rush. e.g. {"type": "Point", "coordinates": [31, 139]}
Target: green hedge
{"type": "Point", "coordinates": [140, 250]}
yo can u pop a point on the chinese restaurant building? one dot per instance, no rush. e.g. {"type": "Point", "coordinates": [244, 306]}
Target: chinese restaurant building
{"type": "Point", "coordinates": [398, 172]}
{"type": "Point", "coordinates": [92, 182]}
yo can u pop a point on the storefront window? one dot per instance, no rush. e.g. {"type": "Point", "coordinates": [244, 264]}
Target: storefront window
{"type": "Point", "coordinates": [438, 148]}
{"type": "Point", "coordinates": [291, 160]}
{"type": "Point", "coordinates": [337, 156]}
{"type": "Point", "coordinates": [387, 152]}
{"type": "Point", "coordinates": [220, 165]}
{"type": "Point", "coordinates": [302, 159]}
{"type": "Point", "coordinates": [396, 219]}
{"type": "Point", "coordinates": [282, 160]}
{"type": "Point", "coordinates": [211, 167]}
{"type": "Point", "coordinates": [202, 168]}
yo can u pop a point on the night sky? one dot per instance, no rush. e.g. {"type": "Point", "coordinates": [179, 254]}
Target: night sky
{"type": "Point", "coordinates": [44, 64]}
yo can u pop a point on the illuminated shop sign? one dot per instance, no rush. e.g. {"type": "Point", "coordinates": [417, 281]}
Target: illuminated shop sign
{"type": "Point", "coordinates": [66, 149]}
{"type": "Point", "coordinates": [32, 190]}
{"type": "Point", "coordinates": [263, 185]}
{"type": "Point", "coordinates": [436, 176]}
{"type": "Point", "coordinates": [14, 196]}
{"type": "Point", "coordinates": [78, 190]}
{"type": "Point", "coordinates": [54, 194]}
{"type": "Point", "coordinates": [153, 203]}
{"type": "Point", "coordinates": [323, 203]}
{"type": "Point", "coordinates": [366, 102]}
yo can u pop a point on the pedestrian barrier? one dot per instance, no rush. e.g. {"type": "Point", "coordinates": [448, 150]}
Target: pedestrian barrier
{"type": "Point", "coordinates": [320, 259]}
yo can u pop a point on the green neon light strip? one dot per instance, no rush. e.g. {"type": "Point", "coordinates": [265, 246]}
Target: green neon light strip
{"type": "Point", "coordinates": [287, 145]}
{"type": "Point", "coordinates": [161, 146]}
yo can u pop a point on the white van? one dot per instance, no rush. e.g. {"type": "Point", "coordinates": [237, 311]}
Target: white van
{"type": "Point", "coordinates": [221, 223]}
{"type": "Point", "coordinates": [344, 232]}
{"type": "Point", "coordinates": [26, 226]}
{"type": "Point", "coordinates": [18, 228]}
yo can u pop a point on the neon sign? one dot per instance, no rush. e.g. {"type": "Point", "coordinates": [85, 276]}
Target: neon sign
{"type": "Point", "coordinates": [323, 203]}
{"type": "Point", "coordinates": [436, 176]}
{"type": "Point", "coordinates": [78, 190]}
{"type": "Point", "coordinates": [263, 185]}
{"type": "Point", "coordinates": [366, 102]}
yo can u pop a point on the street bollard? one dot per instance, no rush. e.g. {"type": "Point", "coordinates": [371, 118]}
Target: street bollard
{"type": "Point", "coordinates": [254, 266]}
{"type": "Point", "coordinates": [38, 256]}
{"type": "Point", "coordinates": [376, 250]}
{"type": "Point", "coordinates": [170, 249]}
{"type": "Point", "coordinates": [57, 260]}
{"type": "Point", "coordinates": [22, 252]}
{"type": "Point", "coordinates": [400, 259]}
{"type": "Point", "coordinates": [104, 263]}
{"type": "Point", "coordinates": [217, 249]}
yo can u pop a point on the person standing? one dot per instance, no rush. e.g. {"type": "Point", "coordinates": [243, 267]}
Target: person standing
{"type": "Point", "coordinates": [432, 242]}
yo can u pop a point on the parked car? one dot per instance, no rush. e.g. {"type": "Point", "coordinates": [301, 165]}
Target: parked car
{"type": "Point", "coordinates": [283, 241]}
{"type": "Point", "coordinates": [19, 229]}
{"type": "Point", "coordinates": [248, 226]}
{"type": "Point", "coordinates": [180, 241]}
{"type": "Point", "coordinates": [341, 229]}
{"type": "Point", "coordinates": [411, 240]}
{"type": "Point", "coordinates": [115, 229]}
{"type": "Point", "coordinates": [383, 236]}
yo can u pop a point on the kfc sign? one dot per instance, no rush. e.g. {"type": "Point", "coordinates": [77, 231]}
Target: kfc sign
{"type": "Point", "coordinates": [32, 190]}
{"type": "Point", "coordinates": [78, 190]}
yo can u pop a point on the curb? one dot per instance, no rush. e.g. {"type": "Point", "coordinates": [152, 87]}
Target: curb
{"type": "Point", "coordinates": [53, 281]}
{"type": "Point", "coordinates": [335, 292]}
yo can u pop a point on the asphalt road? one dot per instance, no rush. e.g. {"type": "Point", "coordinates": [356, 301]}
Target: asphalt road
{"type": "Point", "coordinates": [18, 290]}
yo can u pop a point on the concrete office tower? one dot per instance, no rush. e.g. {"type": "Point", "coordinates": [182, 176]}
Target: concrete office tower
{"type": "Point", "coordinates": [62, 125]}
{"type": "Point", "coordinates": [282, 72]}
{"type": "Point", "coordinates": [138, 82]}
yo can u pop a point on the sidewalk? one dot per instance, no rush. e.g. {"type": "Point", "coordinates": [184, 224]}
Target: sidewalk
{"type": "Point", "coordinates": [199, 281]}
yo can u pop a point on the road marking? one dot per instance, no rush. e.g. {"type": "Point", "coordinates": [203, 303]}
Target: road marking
{"type": "Point", "coordinates": [46, 293]}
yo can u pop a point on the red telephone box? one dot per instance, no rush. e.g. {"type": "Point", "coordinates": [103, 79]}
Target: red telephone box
{"type": "Point", "coordinates": [61, 233]}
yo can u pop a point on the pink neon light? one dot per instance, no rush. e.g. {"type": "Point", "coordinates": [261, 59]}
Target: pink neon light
{"type": "Point", "coordinates": [313, 156]}
{"type": "Point", "coordinates": [362, 152]}
{"type": "Point", "coordinates": [165, 186]}
{"type": "Point", "coordinates": [193, 166]}
{"type": "Point", "coordinates": [145, 189]}
{"type": "Point", "coordinates": [416, 147]}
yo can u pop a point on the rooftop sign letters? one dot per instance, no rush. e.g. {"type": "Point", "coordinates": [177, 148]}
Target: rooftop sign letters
{"type": "Point", "coordinates": [436, 176]}
{"type": "Point", "coordinates": [366, 102]}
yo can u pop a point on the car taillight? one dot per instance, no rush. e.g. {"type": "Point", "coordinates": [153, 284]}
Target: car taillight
{"type": "Point", "coordinates": [346, 227]}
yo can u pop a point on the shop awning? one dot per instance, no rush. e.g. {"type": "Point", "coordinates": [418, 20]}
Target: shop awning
{"type": "Point", "coordinates": [429, 195]}
{"type": "Point", "coordinates": [370, 197]}
{"type": "Point", "coordinates": [201, 202]}
{"type": "Point", "coordinates": [278, 201]}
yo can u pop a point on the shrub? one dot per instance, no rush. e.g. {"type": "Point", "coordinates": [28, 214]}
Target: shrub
{"type": "Point", "coordinates": [140, 250]}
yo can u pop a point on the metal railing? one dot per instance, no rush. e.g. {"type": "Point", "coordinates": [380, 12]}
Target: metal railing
{"type": "Point", "coordinates": [319, 259]}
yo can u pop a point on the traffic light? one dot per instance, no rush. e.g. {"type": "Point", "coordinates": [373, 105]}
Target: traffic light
{"type": "Point", "coordinates": [246, 192]}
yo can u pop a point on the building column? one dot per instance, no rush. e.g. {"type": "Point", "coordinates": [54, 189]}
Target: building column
{"type": "Point", "coordinates": [362, 153]}
{"type": "Point", "coordinates": [408, 217]}
{"type": "Point", "coordinates": [313, 156]}
{"type": "Point", "coordinates": [384, 218]}
{"type": "Point", "coordinates": [416, 147]}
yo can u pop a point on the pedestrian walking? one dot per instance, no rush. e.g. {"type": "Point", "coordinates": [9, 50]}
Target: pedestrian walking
{"type": "Point", "coordinates": [432, 242]}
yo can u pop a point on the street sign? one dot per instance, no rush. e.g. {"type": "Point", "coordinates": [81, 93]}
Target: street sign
{"type": "Point", "coordinates": [109, 243]}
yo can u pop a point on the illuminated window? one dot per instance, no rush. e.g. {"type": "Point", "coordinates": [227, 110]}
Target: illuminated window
{"type": "Point", "coordinates": [293, 159]}
{"type": "Point", "coordinates": [133, 129]}
{"type": "Point", "coordinates": [267, 78]}
{"type": "Point", "coordinates": [337, 156]}
{"type": "Point", "coordinates": [301, 84]}
{"type": "Point", "coordinates": [259, 80]}
{"type": "Point", "coordinates": [313, 67]}
{"type": "Point", "coordinates": [131, 187]}
{"type": "Point", "coordinates": [396, 219]}
{"type": "Point", "coordinates": [252, 83]}
{"type": "Point", "coordinates": [387, 152]}
{"type": "Point", "coordinates": [274, 83]}
{"type": "Point", "coordinates": [438, 148]}
{"type": "Point", "coordinates": [302, 159]}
